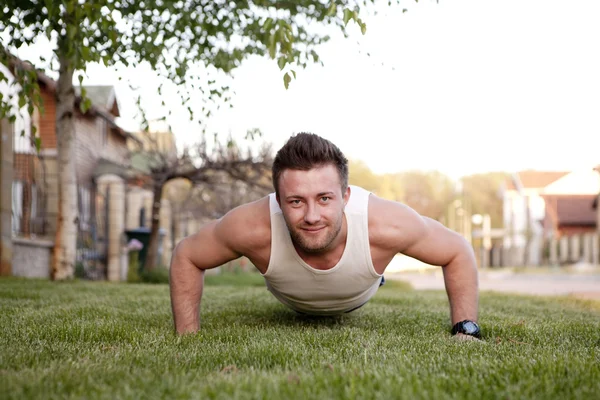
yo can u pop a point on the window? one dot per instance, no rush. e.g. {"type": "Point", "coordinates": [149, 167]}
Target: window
{"type": "Point", "coordinates": [84, 207]}
{"type": "Point", "coordinates": [17, 205]}
{"type": "Point", "coordinates": [142, 217]}
{"type": "Point", "coordinates": [22, 141]}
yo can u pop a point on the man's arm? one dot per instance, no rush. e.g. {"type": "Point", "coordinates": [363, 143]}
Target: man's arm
{"type": "Point", "coordinates": [430, 242]}
{"type": "Point", "coordinates": [236, 234]}
{"type": "Point", "coordinates": [435, 244]}
{"type": "Point", "coordinates": [192, 256]}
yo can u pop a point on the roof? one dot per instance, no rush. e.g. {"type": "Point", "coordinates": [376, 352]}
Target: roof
{"type": "Point", "coordinates": [50, 84]}
{"type": "Point", "coordinates": [571, 210]}
{"type": "Point", "coordinates": [534, 179]}
{"type": "Point", "coordinates": [584, 182]}
{"type": "Point", "coordinates": [100, 95]}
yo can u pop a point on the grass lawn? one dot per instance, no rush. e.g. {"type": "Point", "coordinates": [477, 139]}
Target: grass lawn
{"type": "Point", "coordinates": [115, 341]}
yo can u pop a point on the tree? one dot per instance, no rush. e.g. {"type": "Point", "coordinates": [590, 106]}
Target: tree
{"type": "Point", "coordinates": [427, 192]}
{"type": "Point", "coordinates": [483, 190]}
{"type": "Point", "coordinates": [187, 42]}
{"type": "Point", "coordinates": [360, 174]}
{"type": "Point", "coordinates": [225, 164]}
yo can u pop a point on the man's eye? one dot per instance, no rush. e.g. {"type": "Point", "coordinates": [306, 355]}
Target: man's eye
{"type": "Point", "coordinates": [324, 198]}
{"type": "Point", "coordinates": [295, 202]}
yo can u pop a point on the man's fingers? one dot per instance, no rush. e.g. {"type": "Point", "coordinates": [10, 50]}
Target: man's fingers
{"type": "Point", "coordinates": [461, 336]}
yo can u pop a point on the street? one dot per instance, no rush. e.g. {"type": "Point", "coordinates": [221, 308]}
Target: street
{"type": "Point", "coordinates": [582, 285]}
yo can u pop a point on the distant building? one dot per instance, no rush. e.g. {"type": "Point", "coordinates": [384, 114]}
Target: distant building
{"type": "Point", "coordinates": [570, 203]}
{"type": "Point", "coordinates": [549, 217]}
{"type": "Point", "coordinates": [524, 212]}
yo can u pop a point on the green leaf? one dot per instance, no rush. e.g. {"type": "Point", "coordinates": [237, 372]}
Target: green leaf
{"type": "Point", "coordinates": [348, 14]}
{"type": "Point", "coordinates": [286, 80]}
{"type": "Point", "coordinates": [293, 73]}
{"type": "Point", "coordinates": [268, 24]}
{"type": "Point", "coordinates": [272, 46]}
{"type": "Point", "coordinates": [281, 62]}
{"type": "Point", "coordinates": [332, 9]}
{"type": "Point", "coordinates": [22, 101]}
{"type": "Point", "coordinates": [38, 143]}
{"type": "Point", "coordinates": [85, 105]}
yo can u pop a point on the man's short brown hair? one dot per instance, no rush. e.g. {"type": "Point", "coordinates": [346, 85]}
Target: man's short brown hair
{"type": "Point", "coordinates": [305, 151]}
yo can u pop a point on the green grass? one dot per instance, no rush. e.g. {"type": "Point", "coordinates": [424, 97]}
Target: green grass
{"type": "Point", "coordinates": [115, 341]}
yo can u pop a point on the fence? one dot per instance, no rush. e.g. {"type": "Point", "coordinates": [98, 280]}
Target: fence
{"type": "Point", "coordinates": [92, 238]}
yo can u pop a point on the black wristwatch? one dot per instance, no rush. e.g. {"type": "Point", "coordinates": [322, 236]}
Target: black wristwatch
{"type": "Point", "coordinates": [467, 327]}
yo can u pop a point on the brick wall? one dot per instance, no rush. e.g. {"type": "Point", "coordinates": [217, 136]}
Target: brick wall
{"type": "Point", "coordinates": [47, 121]}
{"type": "Point", "coordinates": [23, 166]}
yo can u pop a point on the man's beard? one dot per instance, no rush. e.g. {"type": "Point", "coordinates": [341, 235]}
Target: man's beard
{"type": "Point", "coordinates": [307, 245]}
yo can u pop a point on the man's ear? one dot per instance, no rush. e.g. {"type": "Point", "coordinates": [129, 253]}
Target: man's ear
{"type": "Point", "coordinates": [346, 195]}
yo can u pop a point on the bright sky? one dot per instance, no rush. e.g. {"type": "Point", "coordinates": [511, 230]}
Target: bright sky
{"type": "Point", "coordinates": [467, 86]}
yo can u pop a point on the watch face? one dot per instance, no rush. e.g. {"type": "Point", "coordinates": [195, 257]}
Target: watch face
{"type": "Point", "coordinates": [470, 328]}
{"type": "Point", "coordinates": [467, 327]}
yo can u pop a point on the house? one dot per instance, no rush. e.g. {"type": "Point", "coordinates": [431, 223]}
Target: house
{"type": "Point", "coordinates": [103, 166]}
{"type": "Point", "coordinates": [570, 203]}
{"type": "Point", "coordinates": [524, 211]}
{"type": "Point", "coordinates": [571, 219]}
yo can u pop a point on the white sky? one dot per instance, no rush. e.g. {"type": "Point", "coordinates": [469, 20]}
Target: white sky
{"type": "Point", "coordinates": [521, 76]}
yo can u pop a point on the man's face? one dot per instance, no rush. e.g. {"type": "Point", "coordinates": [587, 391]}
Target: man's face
{"type": "Point", "coordinates": [313, 206]}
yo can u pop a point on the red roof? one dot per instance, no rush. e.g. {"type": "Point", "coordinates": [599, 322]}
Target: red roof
{"type": "Point", "coordinates": [532, 179]}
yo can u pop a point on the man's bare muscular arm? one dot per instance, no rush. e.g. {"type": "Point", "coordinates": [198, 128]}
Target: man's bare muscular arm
{"type": "Point", "coordinates": [400, 229]}
{"type": "Point", "coordinates": [239, 233]}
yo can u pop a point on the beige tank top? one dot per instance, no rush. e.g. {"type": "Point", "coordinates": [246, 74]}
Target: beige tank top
{"type": "Point", "coordinates": [349, 284]}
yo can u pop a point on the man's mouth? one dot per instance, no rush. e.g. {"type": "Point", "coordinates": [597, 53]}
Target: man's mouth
{"type": "Point", "coordinates": [313, 230]}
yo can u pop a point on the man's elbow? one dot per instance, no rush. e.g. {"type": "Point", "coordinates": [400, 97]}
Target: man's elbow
{"type": "Point", "coordinates": [178, 250]}
{"type": "Point", "coordinates": [181, 255]}
{"type": "Point", "coordinates": [463, 254]}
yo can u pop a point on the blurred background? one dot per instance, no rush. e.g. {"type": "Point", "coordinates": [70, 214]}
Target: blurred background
{"type": "Point", "coordinates": [479, 114]}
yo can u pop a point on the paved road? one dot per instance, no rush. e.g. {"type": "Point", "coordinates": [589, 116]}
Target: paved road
{"type": "Point", "coordinates": [556, 284]}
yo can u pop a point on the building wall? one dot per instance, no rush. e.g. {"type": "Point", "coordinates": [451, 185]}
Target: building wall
{"type": "Point", "coordinates": [515, 224]}
{"type": "Point", "coordinates": [31, 258]}
{"type": "Point", "coordinates": [94, 140]}
{"type": "Point", "coordinates": [515, 215]}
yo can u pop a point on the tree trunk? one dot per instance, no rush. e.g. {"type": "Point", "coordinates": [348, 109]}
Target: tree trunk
{"type": "Point", "coordinates": [63, 266]}
{"type": "Point", "coordinates": [151, 256]}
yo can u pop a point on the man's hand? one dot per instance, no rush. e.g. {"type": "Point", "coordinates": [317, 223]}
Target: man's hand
{"type": "Point", "coordinates": [462, 337]}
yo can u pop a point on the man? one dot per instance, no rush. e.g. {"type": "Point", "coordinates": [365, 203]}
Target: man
{"type": "Point", "coordinates": [322, 245]}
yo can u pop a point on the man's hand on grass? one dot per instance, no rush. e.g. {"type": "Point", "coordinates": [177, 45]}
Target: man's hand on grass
{"type": "Point", "coordinates": [462, 337]}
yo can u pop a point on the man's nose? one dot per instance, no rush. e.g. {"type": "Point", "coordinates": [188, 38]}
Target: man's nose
{"type": "Point", "coordinates": [312, 215]}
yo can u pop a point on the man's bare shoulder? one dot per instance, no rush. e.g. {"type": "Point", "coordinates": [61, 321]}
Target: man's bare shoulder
{"type": "Point", "coordinates": [247, 226]}
{"type": "Point", "coordinates": [393, 225]}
